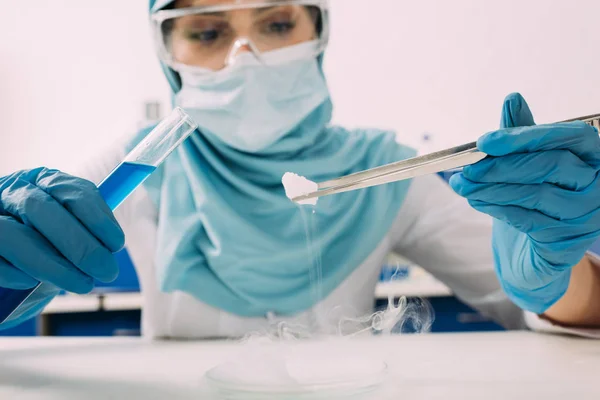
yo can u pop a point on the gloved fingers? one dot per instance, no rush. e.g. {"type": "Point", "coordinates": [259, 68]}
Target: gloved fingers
{"type": "Point", "coordinates": [516, 112]}
{"type": "Point", "coordinates": [523, 220]}
{"type": "Point", "coordinates": [551, 200]}
{"type": "Point", "coordinates": [553, 240]}
{"type": "Point", "coordinates": [37, 209]}
{"type": "Point", "coordinates": [564, 251]}
{"type": "Point", "coordinates": [578, 137]}
{"type": "Point", "coordinates": [26, 249]}
{"type": "Point", "coordinates": [82, 199]}
{"type": "Point", "coordinates": [558, 167]}
{"type": "Point", "coordinates": [13, 278]}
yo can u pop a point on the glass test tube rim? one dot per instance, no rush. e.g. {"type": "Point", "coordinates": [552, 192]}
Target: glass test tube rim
{"type": "Point", "coordinates": [182, 118]}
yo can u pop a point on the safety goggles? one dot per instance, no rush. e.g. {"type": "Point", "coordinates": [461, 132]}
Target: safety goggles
{"type": "Point", "coordinates": [209, 38]}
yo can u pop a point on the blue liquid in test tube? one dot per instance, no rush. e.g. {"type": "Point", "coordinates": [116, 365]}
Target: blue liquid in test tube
{"type": "Point", "coordinates": [138, 165]}
{"type": "Point", "coordinates": [123, 181]}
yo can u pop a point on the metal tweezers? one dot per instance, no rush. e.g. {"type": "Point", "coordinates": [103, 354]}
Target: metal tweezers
{"type": "Point", "coordinates": [445, 160]}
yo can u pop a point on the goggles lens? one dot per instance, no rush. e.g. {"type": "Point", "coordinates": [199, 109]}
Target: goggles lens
{"type": "Point", "coordinates": [210, 40]}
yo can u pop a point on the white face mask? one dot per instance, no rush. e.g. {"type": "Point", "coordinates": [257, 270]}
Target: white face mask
{"type": "Point", "coordinates": [250, 106]}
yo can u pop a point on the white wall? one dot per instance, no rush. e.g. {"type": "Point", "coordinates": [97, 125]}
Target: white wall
{"type": "Point", "coordinates": [445, 66]}
{"type": "Point", "coordinates": [74, 74]}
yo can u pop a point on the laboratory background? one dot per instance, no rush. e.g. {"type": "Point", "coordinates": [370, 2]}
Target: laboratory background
{"type": "Point", "coordinates": [440, 81]}
{"type": "Point", "coordinates": [75, 76]}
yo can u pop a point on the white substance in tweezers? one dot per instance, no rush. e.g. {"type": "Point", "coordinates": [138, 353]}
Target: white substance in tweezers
{"type": "Point", "coordinates": [296, 185]}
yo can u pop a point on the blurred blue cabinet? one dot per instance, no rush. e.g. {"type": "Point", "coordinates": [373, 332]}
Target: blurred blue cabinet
{"type": "Point", "coordinates": [127, 281]}
{"type": "Point", "coordinates": [28, 328]}
{"type": "Point", "coordinates": [95, 323]}
{"type": "Point", "coordinates": [102, 323]}
{"type": "Point", "coordinates": [452, 315]}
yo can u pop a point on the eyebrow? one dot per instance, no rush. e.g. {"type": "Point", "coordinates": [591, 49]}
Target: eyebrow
{"type": "Point", "coordinates": [262, 10]}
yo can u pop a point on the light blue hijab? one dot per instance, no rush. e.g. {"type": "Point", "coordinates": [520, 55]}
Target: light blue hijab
{"type": "Point", "coordinates": [228, 235]}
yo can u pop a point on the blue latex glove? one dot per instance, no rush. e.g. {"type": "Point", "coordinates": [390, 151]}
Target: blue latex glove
{"type": "Point", "coordinates": [55, 228]}
{"type": "Point", "coordinates": [541, 184]}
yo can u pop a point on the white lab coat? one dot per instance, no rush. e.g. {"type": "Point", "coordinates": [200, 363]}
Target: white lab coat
{"type": "Point", "coordinates": [435, 228]}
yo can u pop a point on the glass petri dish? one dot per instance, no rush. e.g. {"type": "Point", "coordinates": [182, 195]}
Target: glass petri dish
{"type": "Point", "coordinates": [298, 377]}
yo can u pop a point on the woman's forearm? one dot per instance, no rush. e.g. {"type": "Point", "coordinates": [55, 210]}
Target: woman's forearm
{"type": "Point", "coordinates": [580, 306]}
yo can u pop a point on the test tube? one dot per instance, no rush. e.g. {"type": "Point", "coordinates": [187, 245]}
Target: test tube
{"type": "Point", "coordinates": [137, 166]}
{"type": "Point", "coordinates": [143, 160]}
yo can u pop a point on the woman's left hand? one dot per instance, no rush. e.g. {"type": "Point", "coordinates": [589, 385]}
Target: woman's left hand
{"type": "Point", "coordinates": [541, 185]}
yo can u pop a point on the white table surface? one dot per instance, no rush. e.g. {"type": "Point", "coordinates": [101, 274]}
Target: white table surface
{"type": "Point", "coordinates": [518, 365]}
{"type": "Point", "coordinates": [426, 287]}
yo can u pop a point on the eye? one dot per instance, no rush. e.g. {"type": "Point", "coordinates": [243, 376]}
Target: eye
{"type": "Point", "coordinates": [204, 31]}
{"type": "Point", "coordinates": [281, 27]}
{"type": "Point", "coordinates": [205, 36]}
{"type": "Point", "coordinates": [278, 21]}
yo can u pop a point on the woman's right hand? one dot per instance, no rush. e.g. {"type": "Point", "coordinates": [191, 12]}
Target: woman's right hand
{"type": "Point", "coordinates": [55, 228]}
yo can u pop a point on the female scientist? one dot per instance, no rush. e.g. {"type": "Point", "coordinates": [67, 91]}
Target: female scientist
{"type": "Point", "coordinates": [221, 251]}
